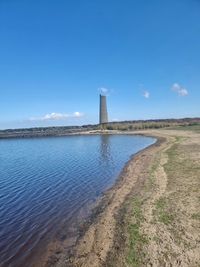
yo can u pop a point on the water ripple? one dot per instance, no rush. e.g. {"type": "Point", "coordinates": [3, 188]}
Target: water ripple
{"type": "Point", "coordinates": [45, 182]}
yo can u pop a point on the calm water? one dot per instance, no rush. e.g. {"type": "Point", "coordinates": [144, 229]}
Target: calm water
{"type": "Point", "coordinates": [45, 182]}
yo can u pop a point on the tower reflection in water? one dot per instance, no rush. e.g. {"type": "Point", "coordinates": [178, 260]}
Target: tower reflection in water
{"type": "Point", "coordinates": [106, 158]}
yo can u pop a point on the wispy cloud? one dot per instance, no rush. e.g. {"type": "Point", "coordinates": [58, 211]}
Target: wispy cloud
{"type": "Point", "coordinates": [146, 94]}
{"type": "Point", "coordinates": [78, 114]}
{"type": "Point", "coordinates": [179, 89]}
{"type": "Point", "coordinates": [105, 91]}
{"type": "Point", "coordinates": [57, 116]}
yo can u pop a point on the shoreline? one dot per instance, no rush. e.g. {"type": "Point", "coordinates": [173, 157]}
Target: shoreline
{"type": "Point", "coordinates": [101, 218]}
{"type": "Point", "coordinates": [90, 132]}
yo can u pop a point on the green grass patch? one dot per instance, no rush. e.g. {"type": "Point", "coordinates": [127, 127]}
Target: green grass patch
{"type": "Point", "coordinates": [196, 216]}
{"type": "Point", "coordinates": [192, 127]}
{"type": "Point", "coordinates": [179, 139]}
{"type": "Point", "coordinates": [173, 161]}
{"type": "Point", "coordinates": [178, 164]}
{"type": "Point", "coordinates": [150, 183]}
{"type": "Point", "coordinates": [162, 213]}
{"type": "Point", "coordinates": [136, 239]}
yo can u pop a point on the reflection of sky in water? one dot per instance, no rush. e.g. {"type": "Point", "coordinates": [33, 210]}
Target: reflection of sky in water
{"type": "Point", "coordinates": [46, 181]}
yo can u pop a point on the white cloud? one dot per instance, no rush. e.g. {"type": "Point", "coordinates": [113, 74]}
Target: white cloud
{"type": "Point", "coordinates": [54, 116]}
{"type": "Point", "coordinates": [179, 89]}
{"type": "Point", "coordinates": [146, 94]}
{"type": "Point", "coordinates": [104, 91]}
{"type": "Point", "coordinates": [57, 116]}
{"type": "Point", "coordinates": [77, 114]}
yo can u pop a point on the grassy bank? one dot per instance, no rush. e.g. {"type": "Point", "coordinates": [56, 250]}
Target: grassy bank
{"type": "Point", "coordinates": [169, 233]}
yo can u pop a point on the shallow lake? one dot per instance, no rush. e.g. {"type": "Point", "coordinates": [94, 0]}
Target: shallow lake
{"type": "Point", "coordinates": [45, 182]}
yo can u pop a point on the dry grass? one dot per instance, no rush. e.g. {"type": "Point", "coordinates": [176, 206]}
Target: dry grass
{"type": "Point", "coordinates": [170, 209]}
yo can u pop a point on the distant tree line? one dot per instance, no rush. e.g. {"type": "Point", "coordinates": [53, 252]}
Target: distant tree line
{"type": "Point", "coordinates": [120, 126]}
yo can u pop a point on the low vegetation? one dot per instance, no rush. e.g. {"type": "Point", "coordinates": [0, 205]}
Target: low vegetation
{"type": "Point", "coordinates": [188, 123]}
{"type": "Point", "coordinates": [170, 235]}
{"type": "Point", "coordinates": [136, 239]}
{"type": "Point", "coordinates": [152, 124]}
{"type": "Point", "coordinates": [195, 127]}
{"type": "Point", "coordinates": [162, 213]}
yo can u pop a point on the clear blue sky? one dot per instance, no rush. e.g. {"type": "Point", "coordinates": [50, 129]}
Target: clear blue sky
{"type": "Point", "coordinates": [56, 54]}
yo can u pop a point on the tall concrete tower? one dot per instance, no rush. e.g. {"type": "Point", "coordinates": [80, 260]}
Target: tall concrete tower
{"type": "Point", "coordinates": [103, 114]}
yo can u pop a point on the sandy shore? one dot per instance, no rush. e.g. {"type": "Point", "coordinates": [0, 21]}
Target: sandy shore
{"type": "Point", "coordinates": [106, 238]}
